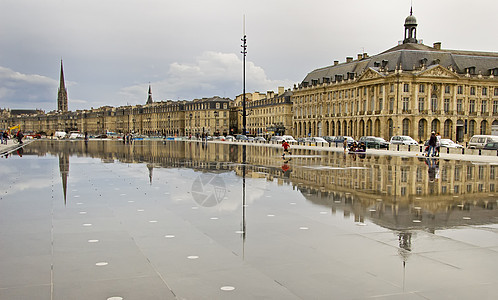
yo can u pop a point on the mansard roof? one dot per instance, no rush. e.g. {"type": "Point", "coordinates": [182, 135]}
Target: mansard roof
{"type": "Point", "coordinates": [409, 57]}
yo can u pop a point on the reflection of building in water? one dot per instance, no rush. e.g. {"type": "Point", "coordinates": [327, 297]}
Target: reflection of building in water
{"type": "Point", "coordinates": [395, 192]}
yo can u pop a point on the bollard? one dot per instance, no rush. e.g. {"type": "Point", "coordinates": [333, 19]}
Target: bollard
{"type": "Point", "coordinates": [420, 148]}
{"type": "Point", "coordinates": [409, 148]}
{"type": "Point", "coordinates": [448, 150]}
{"type": "Point", "coordinates": [463, 150]}
{"type": "Point", "coordinates": [479, 151]}
{"type": "Point", "coordinates": [398, 147]}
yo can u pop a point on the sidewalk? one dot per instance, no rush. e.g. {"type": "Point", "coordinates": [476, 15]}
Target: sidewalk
{"type": "Point", "coordinates": [488, 156]}
{"type": "Point", "coordinates": [11, 146]}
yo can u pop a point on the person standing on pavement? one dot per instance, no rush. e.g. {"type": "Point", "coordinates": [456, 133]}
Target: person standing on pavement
{"type": "Point", "coordinates": [432, 144]}
{"type": "Point", "coordinates": [19, 137]}
{"type": "Point", "coordinates": [5, 137]}
{"type": "Point", "coordinates": [438, 143]}
{"type": "Point", "coordinates": [1, 137]}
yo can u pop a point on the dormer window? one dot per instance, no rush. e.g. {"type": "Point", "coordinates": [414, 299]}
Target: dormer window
{"type": "Point", "coordinates": [471, 70]}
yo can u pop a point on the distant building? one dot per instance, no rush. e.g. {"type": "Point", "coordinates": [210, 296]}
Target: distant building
{"type": "Point", "coordinates": [410, 89]}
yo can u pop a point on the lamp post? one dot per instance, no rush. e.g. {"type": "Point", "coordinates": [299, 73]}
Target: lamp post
{"type": "Point", "coordinates": [216, 122]}
{"type": "Point", "coordinates": [190, 125]}
{"type": "Point", "coordinates": [244, 52]}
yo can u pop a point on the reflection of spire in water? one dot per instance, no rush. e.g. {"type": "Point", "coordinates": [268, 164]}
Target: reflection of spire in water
{"type": "Point", "coordinates": [64, 171]}
{"type": "Point", "coordinates": [151, 168]}
{"type": "Point", "coordinates": [405, 248]}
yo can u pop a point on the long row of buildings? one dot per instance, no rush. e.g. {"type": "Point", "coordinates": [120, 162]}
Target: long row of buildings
{"type": "Point", "coordinates": [410, 89]}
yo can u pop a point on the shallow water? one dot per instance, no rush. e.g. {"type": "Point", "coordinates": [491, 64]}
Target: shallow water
{"type": "Point", "coordinates": [185, 220]}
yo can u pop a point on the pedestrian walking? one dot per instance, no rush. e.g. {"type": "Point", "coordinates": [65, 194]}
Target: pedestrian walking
{"type": "Point", "coordinates": [5, 137]}
{"type": "Point", "coordinates": [432, 144]}
{"type": "Point", "coordinates": [19, 137]}
{"type": "Point", "coordinates": [286, 147]}
{"type": "Point", "coordinates": [1, 137]}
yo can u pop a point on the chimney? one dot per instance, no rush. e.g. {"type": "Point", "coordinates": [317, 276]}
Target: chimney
{"type": "Point", "coordinates": [365, 55]}
{"type": "Point", "coordinates": [437, 45]}
{"type": "Point", "coordinates": [336, 62]}
{"type": "Point", "coordinates": [349, 59]}
{"type": "Point", "coordinates": [360, 56]}
{"type": "Point", "coordinates": [281, 90]}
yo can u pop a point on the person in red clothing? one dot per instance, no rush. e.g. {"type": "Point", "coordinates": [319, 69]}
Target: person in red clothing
{"type": "Point", "coordinates": [286, 147]}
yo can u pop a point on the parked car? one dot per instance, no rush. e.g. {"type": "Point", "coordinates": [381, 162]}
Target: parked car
{"type": "Point", "coordinates": [491, 146]}
{"type": "Point", "coordinates": [315, 140]}
{"type": "Point", "coordinates": [374, 142]}
{"type": "Point", "coordinates": [329, 139]}
{"type": "Point", "coordinates": [229, 138]}
{"type": "Point", "coordinates": [289, 139]}
{"type": "Point", "coordinates": [339, 140]}
{"type": "Point", "coordinates": [301, 140]}
{"type": "Point", "coordinates": [259, 139]}
{"type": "Point", "coordinates": [450, 144]}
{"type": "Point", "coordinates": [403, 140]}
{"type": "Point", "coordinates": [479, 141]}
{"type": "Point", "coordinates": [241, 137]}
{"type": "Point", "coordinates": [276, 138]}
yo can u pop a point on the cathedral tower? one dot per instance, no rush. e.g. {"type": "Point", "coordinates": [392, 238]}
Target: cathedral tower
{"type": "Point", "coordinates": [149, 99]}
{"type": "Point", "coordinates": [62, 94]}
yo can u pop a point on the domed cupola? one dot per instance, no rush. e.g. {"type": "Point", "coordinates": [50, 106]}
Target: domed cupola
{"type": "Point", "coordinates": [410, 29]}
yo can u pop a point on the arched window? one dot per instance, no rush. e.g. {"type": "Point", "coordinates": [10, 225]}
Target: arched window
{"type": "Point", "coordinates": [484, 126]}
{"type": "Point", "coordinates": [434, 102]}
{"type": "Point", "coordinates": [406, 127]}
{"type": "Point", "coordinates": [472, 126]}
{"type": "Point", "coordinates": [447, 129]}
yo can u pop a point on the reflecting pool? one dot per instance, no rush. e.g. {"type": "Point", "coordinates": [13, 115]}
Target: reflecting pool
{"type": "Point", "coordinates": [189, 220]}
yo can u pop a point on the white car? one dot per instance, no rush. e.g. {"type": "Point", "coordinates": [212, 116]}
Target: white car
{"type": "Point", "coordinates": [403, 140]}
{"type": "Point", "coordinates": [450, 144]}
{"type": "Point", "coordinates": [289, 139]}
{"type": "Point", "coordinates": [316, 139]}
{"type": "Point", "coordinates": [276, 138]}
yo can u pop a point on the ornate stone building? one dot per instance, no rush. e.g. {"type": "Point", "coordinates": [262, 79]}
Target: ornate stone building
{"type": "Point", "coordinates": [271, 115]}
{"type": "Point", "coordinates": [266, 114]}
{"type": "Point", "coordinates": [410, 89]}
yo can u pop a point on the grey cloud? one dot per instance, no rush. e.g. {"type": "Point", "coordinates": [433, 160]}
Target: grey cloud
{"type": "Point", "coordinates": [19, 90]}
{"type": "Point", "coordinates": [210, 73]}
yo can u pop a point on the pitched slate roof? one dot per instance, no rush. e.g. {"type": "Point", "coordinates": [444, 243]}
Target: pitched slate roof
{"type": "Point", "coordinates": [409, 57]}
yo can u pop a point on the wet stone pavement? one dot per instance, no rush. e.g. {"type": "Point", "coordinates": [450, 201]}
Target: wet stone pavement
{"type": "Point", "coordinates": [180, 220]}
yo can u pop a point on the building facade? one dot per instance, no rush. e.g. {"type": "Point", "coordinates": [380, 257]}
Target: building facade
{"type": "Point", "coordinates": [271, 115]}
{"type": "Point", "coordinates": [410, 89]}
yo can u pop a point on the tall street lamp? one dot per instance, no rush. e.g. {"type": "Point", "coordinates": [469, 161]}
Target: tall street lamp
{"type": "Point", "coordinates": [216, 123]}
{"type": "Point", "coordinates": [244, 52]}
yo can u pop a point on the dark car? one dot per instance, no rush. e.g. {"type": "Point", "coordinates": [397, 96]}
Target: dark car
{"type": "Point", "coordinates": [374, 142]}
{"type": "Point", "coordinates": [491, 146]}
{"type": "Point", "coordinates": [339, 140]}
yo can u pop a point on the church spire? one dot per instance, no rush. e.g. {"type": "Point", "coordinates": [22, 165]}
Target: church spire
{"type": "Point", "coordinates": [62, 93]}
{"type": "Point", "coordinates": [149, 99]}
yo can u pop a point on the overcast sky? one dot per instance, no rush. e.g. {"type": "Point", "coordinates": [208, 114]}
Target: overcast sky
{"type": "Point", "coordinates": [113, 49]}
